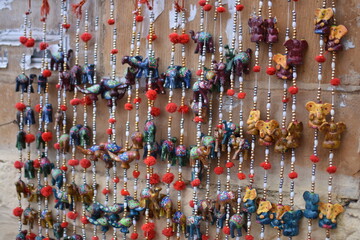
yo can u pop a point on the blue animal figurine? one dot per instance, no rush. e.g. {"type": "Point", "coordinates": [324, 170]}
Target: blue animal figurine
{"type": "Point", "coordinates": [236, 222]}
{"type": "Point", "coordinates": [57, 177]}
{"type": "Point", "coordinates": [249, 200]}
{"type": "Point", "coordinates": [29, 169]}
{"type": "Point", "coordinates": [209, 143]}
{"type": "Point", "coordinates": [185, 76]}
{"type": "Point", "coordinates": [168, 149]}
{"type": "Point", "coordinates": [29, 116]}
{"type": "Point", "coordinates": [47, 113]}
{"type": "Point", "coordinates": [94, 210]}
{"type": "Point", "coordinates": [219, 218]}
{"type": "Point", "coordinates": [102, 221]}
{"type": "Point", "coordinates": [85, 136]}
{"type": "Point", "coordinates": [21, 235]}
{"type": "Point", "coordinates": [24, 83]}
{"type": "Point", "coordinates": [62, 200]}
{"type": "Point", "coordinates": [193, 227]}
{"type": "Point", "coordinates": [42, 81]}
{"type": "Point", "coordinates": [123, 224]}
{"type": "Point", "coordinates": [172, 77]}
{"type": "Point", "coordinates": [311, 205]}
{"type": "Point", "coordinates": [75, 135]}
{"type": "Point", "coordinates": [181, 156]}
{"type": "Point", "coordinates": [328, 214]}
{"type": "Point", "coordinates": [88, 72]}
{"type": "Point", "coordinates": [278, 212]}
{"type": "Point", "coordinates": [134, 207]}
{"type": "Point", "coordinates": [228, 130]}
{"type": "Point", "coordinates": [46, 166]}
{"type": "Point", "coordinates": [20, 140]}
{"type": "Point", "coordinates": [264, 214]}
{"type": "Point", "coordinates": [239, 62]}
{"type": "Point", "coordinates": [40, 143]}
{"type": "Point", "coordinates": [291, 223]}
{"type": "Point", "coordinates": [58, 230]}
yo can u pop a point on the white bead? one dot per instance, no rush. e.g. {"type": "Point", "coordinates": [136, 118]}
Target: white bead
{"type": "Point", "coordinates": [284, 114]}
{"type": "Point", "coordinates": [332, 112]}
{"type": "Point", "coordinates": [282, 163]}
{"type": "Point", "coordinates": [293, 159]}
{"type": "Point", "coordinates": [319, 77]}
{"type": "Point", "coordinates": [262, 235]}
{"type": "Point", "coordinates": [313, 178]}
{"type": "Point", "coordinates": [327, 238]}
{"type": "Point", "coordinates": [220, 115]}
{"type": "Point", "coordinates": [239, 200]}
{"type": "Point", "coordinates": [195, 206]}
{"type": "Point", "coordinates": [138, 44]}
{"type": "Point", "coordinates": [269, 4]}
{"type": "Point", "coordinates": [261, 4]}
{"type": "Point", "coordinates": [294, 24]}
{"type": "Point", "coordinates": [255, 99]}
{"type": "Point", "coordinates": [251, 171]}
{"type": "Point", "coordinates": [221, 49]}
{"type": "Point", "coordinates": [179, 198]}
{"type": "Point", "coordinates": [293, 107]}
{"type": "Point", "coordinates": [265, 185]}
{"type": "Point", "coordinates": [203, 58]}
{"type": "Point", "coordinates": [241, 123]}
{"type": "Point", "coordinates": [280, 190]}
{"type": "Point", "coordinates": [167, 190]}
{"type": "Point", "coordinates": [217, 230]}
{"type": "Point", "coordinates": [321, 42]}
{"type": "Point", "coordinates": [127, 133]}
{"type": "Point", "coordinates": [248, 224]}
{"type": "Point", "coordinates": [331, 155]}
{"type": "Point", "coordinates": [228, 178]}
{"type": "Point", "coordinates": [137, 119]}
{"type": "Point", "coordinates": [267, 151]}
{"type": "Point", "coordinates": [135, 187]}
{"type": "Point", "coordinates": [333, 64]}
{"type": "Point", "coordinates": [270, 54]}
{"type": "Point", "coordinates": [287, 38]}
{"type": "Point", "coordinates": [292, 194]}
{"type": "Point", "coordinates": [316, 143]}
{"type": "Point", "coordinates": [257, 53]}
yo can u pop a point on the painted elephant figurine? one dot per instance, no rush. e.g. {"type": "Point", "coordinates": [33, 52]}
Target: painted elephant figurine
{"type": "Point", "coordinates": [86, 193]}
{"type": "Point", "coordinates": [328, 214]}
{"type": "Point", "coordinates": [42, 82]}
{"type": "Point", "coordinates": [179, 219]}
{"type": "Point", "coordinates": [185, 76]}
{"type": "Point", "coordinates": [75, 135]}
{"type": "Point", "coordinates": [134, 208]}
{"type": "Point", "coordinates": [66, 81]}
{"type": "Point", "coordinates": [114, 89]}
{"type": "Point", "coordinates": [333, 43]}
{"type": "Point", "coordinates": [193, 223]}
{"type": "Point", "coordinates": [46, 166]}
{"type": "Point", "coordinates": [206, 208]}
{"type": "Point", "coordinates": [264, 214]}
{"type": "Point", "coordinates": [291, 223]}
{"type": "Point", "coordinates": [236, 223]}
{"type": "Point", "coordinates": [332, 131]}
{"type": "Point", "coordinates": [219, 218]}
{"type": "Point", "coordinates": [201, 88]}
{"type": "Point", "coordinates": [88, 73]}
{"type": "Point", "coordinates": [149, 131]}
{"type": "Point", "coordinates": [58, 230]}
{"type": "Point", "coordinates": [24, 83]}
{"type": "Point", "coordinates": [93, 91]}
{"type": "Point", "coordinates": [269, 131]}
{"type": "Point", "coordinates": [241, 145]}
{"type": "Point", "coordinates": [272, 30]}
{"type": "Point", "coordinates": [322, 21]}
{"type": "Point", "coordinates": [46, 219]}
{"type": "Point", "coordinates": [172, 77]}
{"type": "Point", "coordinates": [30, 171]}
{"type": "Point", "coordinates": [317, 113]}
{"type": "Point", "coordinates": [222, 75]}
{"type": "Point", "coordinates": [281, 142]}
{"type": "Point", "coordinates": [294, 132]}
{"type": "Point", "coordinates": [249, 200]}
{"type": "Point", "coordinates": [29, 217]}
{"type": "Point", "coordinates": [20, 140]}
{"type": "Point", "coordinates": [137, 139]}
{"type": "Point", "coordinates": [257, 30]}
{"type": "Point", "coordinates": [125, 157]}
{"type": "Point", "coordinates": [209, 142]}
{"type": "Point", "coordinates": [64, 143]}
{"type": "Point", "coordinates": [34, 193]}
{"type": "Point", "coordinates": [283, 70]}
{"type": "Point", "coordinates": [21, 188]}
{"type": "Point", "coordinates": [253, 118]}
{"type": "Point", "coordinates": [202, 39]}
{"type": "Point", "coordinates": [76, 74]}
{"type": "Point", "coordinates": [226, 198]}
{"type": "Point", "coordinates": [296, 49]}
{"type": "Point", "coordinates": [85, 136]}
{"type": "Point", "coordinates": [57, 60]}
{"type": "Point", "coordinates": [73, 194]}
{"type": "Point", "coordinates": [29, 116]}
{"type": "Point", "coordinates": [311, 205]}
{"type": "Point", "coordinates": [57, 177]}
{"type": "Point", "coordinates": [59, 119]}
{"type": "Point", "coordinates": [149, 198]}
{"type": "Point", "coordinates": [21, 235]}
{"type": "Point", "coordinates": [47, 113]}
{"type": "Point", "coordinates": [238, 62]}
{"type": "Point", "coordinates": [154, 149]}
{"type": "Point", "coordinates": [40, 143]}
{"type": "Point", "coordinates": [168, 149]}
{"type": "Point", "coordinates": [166, 207]}
{"type": "Point", "coordinates": [278, 212]}
{"type": "Point", "coordinates": [199, 153]}
{"type": "Point", "coordinates": [147, 68]}
{"type": "Point", "coordinates": [94, 210]}
{"type": "Point", "coordinates": [62, 200]}
{"type": "Point", "coordinates": [228, 130]}
{"type": "Point", "coordinates": [182, 156]}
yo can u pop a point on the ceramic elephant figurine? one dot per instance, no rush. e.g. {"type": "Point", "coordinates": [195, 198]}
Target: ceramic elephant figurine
{"type": "Point", "coordinates": [154, 149]}
{"type": "Point", "coordinates": [257, 30]}
{"type": "Point", "coordinates": [185, 76]}
{"type": "Point", "coordinates": [93, 91]}
{"type": "Point", "coordinates": [57, 177]}
{"type": "Point", "coordinates": [88, 73]}
{"type": "Point", "coordinates": [21, 235]}
{"type": "Point", "coordinates": [253, 118]}
{"type": "Point", "coordinates": [64, 143]}
{"type": "Point", "coordinates": [85, 136]}
{"type": "Point", "coordinates": [147, 67]}
{"type": "Point", "coordinates": [291, 223]}
{"type": "Point", "coordinates": [269, 131]}
{"type": "Point", "coordinates": [47, 113]}
{"type": "Point", "coordinates": [46, 166]}
{"type": "Point", "coordinates": [126, 157]}
{"type": "Point", "coordinates": [224, 199]}
{"type": "Point", "coordinates": [249, 200]}
{"type": "Point", "coordinates": [322, 21]}
{"type": "Point", "coordinates": [283, 70]}
{"type": "Point", "coordinates": [296, 49]}
{"type": "Point", "coordinates": [75, 135]}
{"type": "Point", "coordinates": [66, 81]}
{"type": "Point", "coordinates": [29, 116]}
{"type": "Point", "coordinates": [241, 145]}
{"type": "Point", "coordinates": [29, 217]}
{"type": "Point", "coordinates": [236, 223]}
{"type": "Point", "coordinates": [149, 198]}
{"type": "Point", "coordinates": [59, 119]}
{"type": "Point", "coordinates": [94, 210]}
{"type": "Point", "coordinates": [312, 205]}
{"type": "Point", "coordinates": [193, 223]}
{"type": "Point", "coordinates": [206, 208]}
{"type": "Point", "coordinates": [172, 77]}
{"type": "Point", "coordinates": [168, 149]}
{"type": "Point", "coordinates": [42, 82]}
{"type": "Point", "coordinates": [46, 219]}
{"type": "Point", "coordinates": [76, 74]}
{"type": "Point", "coordinates": [166, 207]}
{"type": "Point", "coordinates": [62, 200]}
{"type": "Point", "coordinates": [328, 214]}
{"type": "Point", "coordinates": [181, 156]}
{"type": "Point", "coordinates": [20, 140]}
{"type": "Point", "coordinates": [30, 171]}
{"type": "Point", "coordinates": [238, 62]}
{"type": "Point", "coordinates": [209, 142]}
{"type": "Point", "coordinates": [332, 131]}
{"type": "Point", "coordinates": [199, 153]}
{"type": "Point", "coordinates": [317, 113]}
{"type": "Point", "coordinates": [201, 88]}
{"type": "Point", "coordinates": [86, 193]}
{"type": "Point", "coordinates": [219, 218]}
{"type": "Point", "coordinates": [228, 130]}
{"type": "Point", "coordinates": [179, 219]}
{"type": "Point", "coordinates": [149, 131]}
{"type": "Point", "coordinates": [34, 192]}
{"type": "Point", "coordinates": [97, 152]}
{"type": "Point", "coordinates": [272, 31]}
{"type": "Point", "coordinates": [58, 230]}
{"type": "Point", "coordinates": [264, 214]}
{"type": "Point", "coordinates": [278, 212]}
{"type": "Point", "coordinates": [333, 43]}
{"type": "Point", "coordinates": [130, 75]}
{"type": "Point", "coordinates": [24, 83]}
{"type": "Point", "coordinates": [294, 132]}
{"type": "Point", "coordinates": [202, 40]}
{"type": "Point", "coordinates": [222, 75]}
{"type": "Point", "coordinates": [40, 143]}
{"type": "Point", "coordinates": [57, 60]}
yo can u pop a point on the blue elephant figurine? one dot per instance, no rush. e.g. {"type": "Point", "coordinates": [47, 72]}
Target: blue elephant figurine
{"type": "Point", "coordinates": [62, 200]}
{"type": "Point", "coordinates": [75, 135]}
{"type": "Point", "coordinates": [291, 223]}
{"type": "Point", "coordinates": [219, 218]}
{"type": "Point", "coordinates": [172, 77]}
{"type": "Point", "coordinates": [45, 166]}
{"type": "Point", "coordinates": [123, 224]}
{"type": "Point", "coordinates": [239, 62]}
{"type": "Point", "coordinates": [57, 177]}
{"type": "Point", "coordinates": [94, 210]}
{"type": "Point", "coordinates": [40, 143]}
{"type": "Point", "coordinates": [134, 207]}
{"type": "Point", "coordinates": [249, 200]}
{"type": "Point", "coordinates": [24, 83]}
{"type": "Point", "coordinates": [179, 219]}
{"type": "Point", "coordinates": [185, 76]}
{"type": "Point", "coordinates": [88, 73]}
{"type": "Point", "coordinates": [149, 131]}
{"type": "Point", "coordinates": [146, 68]}
{"type": "Point", "coordinates": [328, 214]}
{"type": "Point", "coordinates": [181, 156]}
{"type": "Point", "coordinates": [21, 235]}
{"type": "Point", "coordinates": [168, 149]}
{"type": "Point", "coordinates": [29, 169]}
{"type": "Point", "coordinates": [311, 205]}
{"type": "Point", "coordinates": [58, 230]}
{"type": "Point", "coordinates": [20, 140]}
{"type": "Point", "coordinates": [193, 227]}
{"type": "Point", "coordinates": [264, 215]}
{"type": "Point", "coordinates": [47, 113]}
{"type": "Point", "coordinates": [29, 116]}
{"type": "Point", "coordinates": [42, 81]}
{"type": "Point", "coordinates": [236, 222]}
{"type": "Point", "coordinates": [228, 129]}
{"type": "Point", "coordinates": [85, 136]}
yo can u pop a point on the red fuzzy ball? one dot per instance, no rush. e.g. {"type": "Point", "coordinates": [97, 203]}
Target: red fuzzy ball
{"type": "Point", "coordinates": [207, 7]}
{"type": "Point", "coordinates": [320, 59]}
{"type": "Point", "coordinates": [184, 109]}
{"type": "Point", "coordinates": [57, 146]}
{"type": "Point", "coordinates": [147, 227]}
{"type": "Point", "coordinates": [195, 182]}
{"type": "Point", "coordinates": [105, 191]}
{"type": "Point", "coordinates": [20, 106]}
{"type": "Point", "coordinates": [154, 179]}
{"type": "Point", "coordinates": [63, 108]}
{"type": "Point", "coordinates": [95, 238]}
{"type": "Point", "coordinates": [86, 36]}
{"type": "Point", "coordinates": [114, 51]}
{"type": "Point", "coordinates": [111, 21]}
{"type": "Point", "coordinates": [191, 203]}
{"type": "Point", "coordinates": [18, 164]}
{"type": "Point", "coordinates": [72, 215]}
{"type": "Point", "coordinates": [86, 101]}
{"type": "Point", "coordinates": [265, 165]}
{"type": "Point", "coordinates": [199, 72]}
{"type": "Point", "coordinates": [73, 162]}
{"type": "Point", "coordinates": [174, 38]}
{"type": "Point", "coordinates": [46, 191]}
{"type": "Point", "coordinates": [220, 9]}
{"type": "Point", "coordinates": [270, 71]}
{"type": "Point", "coordinates": [46, 136]}
{"type": "Point", "coordinates": [150, 161]}
{"type": "Point", "coordinates": [293, 175]}
{"type": "Point", "coordinates": [128, 106]}
{"type": "Point", "coordinates": [314, 158]}
{"type": "Point", "coordinates": [75, 101]}
{"type": "Point", "coordinates": [256, 68]}
{"type": "Point", "coordinates": [241, 176]}
{"type": "Point", "coordinates": [184, 38]}
{"type": "Point", "coordinates": [30, 42]}
{"type": "Point", "coordinates": [205, 237]}
{"type": "Point", "coordinates": [18, 211]}
{"type": "Point", "coordinates": [43, 45]}
{"type": "Point", "coordinates": [168, 178]}
{"type": "Point", "coordinates": [198, 119]}
{"type": "Point", "coordinates": [251, 175]}
{"type": "Point", "coordinates": [109, 131]}
{"type": "Point", "coordinates": [155, 111]}
{"type": "Point", "coordinates": [154, 37]}
{"type": "Point", "coordinates": [46, 73]}
{"type": "Point", "coordinates": [57, 86]}
{"type": "Point", "coordinates": [31, 236]}
{"type": "Point", "coordinates": [124, 192]}
{"type": "Point", "coordinates": [66, 26]}
{"type": "Point", "coordinates": [293, 90]}
{"type": "Point", "coordinates": [230, 92]}
{"type": "Point", "coordinates": [226, 230]}
{"type": "Point", "coordinates": [285, 100]}
{"type": "Point", "coordinates": [36, 163]}
{"type": "Point", "coordinates": [168, 232]}
{"type": "Point", "coordinates": [23, 39]}
{"type": "Point", "coordinates": [139, 18]}
{"type": "Point", "coordinates": [29, 138]}
{"type": "Point", "coordinates": [179, 185]}
{"type": "Point", "coordinates": [136, 174]}
{"type": "Point", "coordinates": [38, 108]}
{"type": "Point", "coordinates": [202, 3]}
{"type": "Point", "coordinates": [241, 95]}
{"type": "Point", "coordinates": [331, 169]}
{"type": "Point", "coordinates": [64, 224]}
{"type": "Point", "coordinates": [134, 236]}
{"type": "Point", "coordinates": [112, 120]}
{"type": "Point", "coordinates": [171, 107]}
{"type": "Point", "coordinates": [229, 164]}
{"type": "Point", "coordinates": [249, 237]}
{"type": "Point", "coordinates": [137, 100]}
{"type": "Point", "coordinates": [335, 81]}
{"type": "Point", "coordinates": [151, 94]}
{"type": "Point", "coordinates": [85, 163]}
{"type": "Point", "coordinates": [64, 168]}
{"type": "Point", "coordinates": [84, 220]}
{"type": "Point", "coordinates": [116, 179]}
{"type": "Point", "coordinates": [239, 7]}
{"type": "Point", "coordinates": [218, 170]}
{"type": "Point", "coordinates": [150, 235]}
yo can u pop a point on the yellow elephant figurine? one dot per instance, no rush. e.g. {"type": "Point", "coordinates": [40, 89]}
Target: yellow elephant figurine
{"type": "Point", "coordinates": [264, 216]}
{"type": "Point", "coordinates": [269, 131]}
{"type": "Point", "coordinates": [332, 133]}
{"type": "Point", "coordinates": [333, 43]}
{"type": "Point", "coordinates": [317, 113]}
{"type": "Point", "coordinates": [294, 131]}
{"type": "Point", "coordinates": [249, 200]}
{"type": "Point", "coordinates": [283, 70]}
{"type": "Point", "coordinates": [254, 116]}
{"type": "Point", "coordinates": [328, 214]}
{"type": "Point", "coordinates": [322, 20]}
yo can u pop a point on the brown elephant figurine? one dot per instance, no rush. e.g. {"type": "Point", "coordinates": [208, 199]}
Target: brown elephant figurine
{"type": "Point", "coordinates": [296, 49]}
{"type": "Point", "coordinates": [137, 139]}
{"type": "Point", "coordinates": [269, 131]}
{"type": "Point", "coordinates": [328, 214]}
{"type": "Point", "coordinates": [323, 20]}
{"type": "Point", "coordinates": [166, 207]}
{"type": "Point", "coordinates": [203, 39]}
{"type": "Point", "coordinates": [34, 193]}
{"type": "Point", "coordinates": [86, 193]}
{"type": "Point", "coordinates": [294, 132]}
{"type": "Point", "coordinates": [257, 29]}
{"type": "Point", "coordinates": [30, 216]}
{"type": "Point", "coordinates": [317, 113]}
{"type": "Point", "coordinates": [225, 198]}
{"type": "Point", "coordinates": [21, 188]}
{"type": "Point", "coordinates": [46, 219]}
{"type": "Point", "coordinates": [254, 117]}
{"type": "Point", "coordinates": [239, 144]}
{"type": "Point", "coordinates": [218, 134]}
{"type": "Point", "coordinates": [206, 209]}
{"type": "Point", "coordinates": [333, 43]}
{"type": "Point", "coordinates": [283, 70]}
{"type": "Point", "coordinates": [149, 198]}
{"type": "Point", "coordinates": [73, 193]}
{"type": "Point", "coordinates": [281, 143]}
{"type": "Point", "coordinates": [59, 118]}
{"type": "Point", "coordinates": [332, 133]}
{"type": "Point", "coordinates": [200, 153]}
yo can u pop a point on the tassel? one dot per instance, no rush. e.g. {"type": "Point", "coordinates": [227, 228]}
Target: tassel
{"type": "Point", "coordinates": [77, 8]}
{"type": "Point", "coordinates": [45, 8]}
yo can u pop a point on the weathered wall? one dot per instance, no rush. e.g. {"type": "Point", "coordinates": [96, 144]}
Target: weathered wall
{"type": "Point", "coordinates": [346, 180]}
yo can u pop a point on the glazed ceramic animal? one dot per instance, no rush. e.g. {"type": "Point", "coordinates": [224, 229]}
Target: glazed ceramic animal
{"type": "Point", "coordinates": [328, 214]}
{"type": "Point", "coordinates": [97, 152]}
{"type": "Point", "coordinates": [272, 31]}
{"type": "Point", "coordinates": [46, 166]}
{"type": "Point", "coordinates": [58, 230]}
{"type": "Point", "coordinates": [24, 83]}
{"type": "Point", "coordinates": [209, 142]}
{"type": "Point", "coordinates": [93, 91]}
{"type": "Point", "coordinates": [222, 75]}
{"type": "Point", "coordinates": [322, 21]}
{"type": "Point", "coordinates": [29, 172]}
{"type": "Point", "coordinates": [57, 60]}
{"type": "Point", "coordinates": [168, 149]}
{"type": "Point", "coordinates": [85, 136]}
{"type": "Point", "coordinates": [21, 235]}
{"type": "Point", "coordinates": [59, 118]}
{"type": "Point", "coordinates": [236, 223]}
{"type": "Point", "coordinates": [123, 224]}
{"type": "Point", "coordinates": [29, 116]}
{"type": "Point", "coordinates": [334, 41]}
{"type": "Point", "coordinates": [57, 177]}
{"type": "Point", "coordinates": [166, 207]}
{"type": "Point", "coordinates": [137, 139]}
{"type": "Point", "coordinates": [172, 77]}
{"type": "Point", "coordinates": [257, 30]}
{"type": "Point", "coordinates": [29, 217]}
{"type": "Point", "coordinates": [317, 113]}
{"type": "Point", "coordinates": [149, 198]}
{"type": "Point", "coordinates": [147, 68]}
{"type": "Point", "coordinates": [254, 117]}
{"type": "Point", "coordinates": [249, 200]}
{"type": "Point", "coordinates": [283, 70]}
{"type": "Point", "coordinates": [296, 49]}
{"type": "Point", "coordinates": [47, 113]}
{"type": "Point", "coordinates": [294, 132]}
{"type": "Point", "coordinates": [240, 145]}
{"type": "Point", "coordinates": [238, 62]}
{"type": "Point", "coordinates": [269, 131]}
{"type": "Point", "coordinates": [281, 142]}
{"type": "Point", "coordinates": [34, 192]}
{"type": "Point", "coordinates": [206, 208]}
{"type": "Point", "coordinates": [200, 153]}
{"type": "Point", "coordinates": [291, 223]}
{"type": "Point", "coordinates": [75, 135]}
{"type": "Point", "coordinates": [193, 223]}
{"type": "Point", "coordinates": [278, 212]}
{"type": "Point", "coordinates": [40, 143]}
{"type": "Point", "coordinates": [149, 131]}
{"type": "Point", "coordinates": [201, 88]}
{"type": "Point", "coordinates": [73, 193]}
{"type": "Point", "coordinates": [182, 155]}
{"type": "Point", "coordinates": [312, 205]}
{"type": "Point", "coordinates": [264, 214]}
{"type": "Point", "coordinates": [20, 140]}
{"type": "Point", "coordinates": [332, 131]}
{"type": "Point", "coordinates": [228, 131]}
{"type": "Point", "coordinates": [134, 207]}
{"type": "Point", "coordinates": [203, 39]}
{"type": "Point", "coordinates": [185, 76]}
{"type": "Point", "coordinates": [224, 199]}
{"type": "Point", "coordinates": [195, 106]}
{"type": "Point", "coordinates": [62, 200]}
{"type": "Point", "coordinates": [42, 82]}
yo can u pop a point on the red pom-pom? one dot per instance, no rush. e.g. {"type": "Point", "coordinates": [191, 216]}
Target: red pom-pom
{"type": "Point", "coordinates": [285, 100]}
{"type": "Point", "coordinates": [174, 38]}
{"type": "Point", "coordinates": [73, 162]}
{"type": "Point", "coordinates": [168, 232]}
{"type": "Point", "coordinates": [293, 90]}
{"type": "Point", "coordinates": [293, 175]}
{"type": "Point", "coordinates": [139, 18]}
{"type": "Point", "coordinates": [46, 73]}
{"type": "Point", "coordinates": [124, 192]}
{"type": "Point", "coordinates": [220, 9]}
{"type": "Point", "coordinates": [134, 236]}
{"type": "Point", "coordinates": [168, 178]}
{"type": "Point", "coordinates": [128, 106]}
{"type": "Point", "coordinates": [66, 26]}
{"type": "Point", "coordinates": [137, 100]}
{"type": "Point", "coordinates": [241, 176]}
{"type": "Point", "coordinates": [198, 119]}
{"type": "Point", "coordinates": [46, 191]}
{"type": "Point", "coordinates": [241, 95]}
{"type": "Point", "coordinates": [230, 92]}
{"type": "Point", "coordinates": [218, 170]}
{"type": "Point", "coordinates": [171, 107]}
{"type": "Point", "coordinates": [199, 72]}
{"type": "Point", "coordinates": [30, 42]}
{"type": "Point", "coordinates": [72, 215]}
{"type": "Point", "coordinates": [85, 163]}
{"type": "Point", "coordinates": [29, 138]}
{"type": "Point", "coordinates": [179, 185]}
{"type": "Point", "coordinates": [57, 86]}
{"type": "Point", "coordinates": [150, 161]}
{"type": "Point", "coordinates": [147, 227]}
{"type": "Point", "coordinates": [136, 174]}
{"type": "Point", "coordinates": [256, 68]}
{"type": "Point", "coordinates": [36, 163]}
{"type": "Point", "coordinates": [155, 111]}
{"type": "Point", "coordinates": [207, 7]}
{"type": "Point", "coordinates": [75, 101]}
{"type": "Point", "coordinates": [229, 164]}
{"type": "Point", "coordinates": [109, 131]}
{"type": "Point", "coordinates": [38, 108]}
{"type": "Point", "coordinates": [57, 146]}
{"type": "Point", "coordinates": [320, 59]}
{"type": "Point", "coordinates": [184, 109]}
{"type": "Point", "coordinates": [84, 220]}
{"type": "Point", "coordinates": [202, 3]}
{"type": "Point", "coordinates": [154, 179]}
{"type": "Point", "coordinates": [63, 108]}
{"type": "Point", "coordinates": [64, 224]}
{"type": "Point", "coordinates": [239, 7]}
{"type": "Point", "coordinates": [335, 81]}
{"type": "Point", "coordinates": [111, 21]}
{"type": "Point", "coordinates": [184, 38]}
{"type": "Point", "coordinates": [205, 237]}
{"type": "Point", "coordinates": [64, 168]}
{"type": "Point", "coordinates": [20, 106]}
{"type": "Point", "coordinates": [270, 71]}
{"type": "Point", "coordinates": [31, 236]}
{"type": "Point", "coordinates": [112, 120]}
{"type": "Point", "coordinates": [249, 237]}
{"type": "Point", "coordinates": [86, 101]}
{"type": "Point", "coordinates": [151, 94]}
{"type": "Point", "coordinates": [46, 136]}
{"type": "Point", "coordinates": [114, 51]}
{"type": "Point", "coordinates": [195, 182]}
{"type": "Point", "coordinates": [226, 230]}
{"type": "Point", "coordinates": [154, 37]}
{"type": "Point", "coordinates": [18, 211]}
{"type": "Point", "coordinates": [331, 169]}
{"type": "Point", "coordinates": [251, 175]}
{"type": "Point", "coordinates": [43, 45]}
{"type": "Point", "coordinates": [265, 165]}
{"type": "Point", "coordinates": [86, 36]}
{"type": "Point", "coordinates": [314, 158]}
{"type": "Point", "coordinates": [191, 203]}
{"type": "Point", "coordinates": [116, 179]}
{"type": "Point", "coordinates": [105, 191]}
{"type": "Point", "coordinates": [23, 39]}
